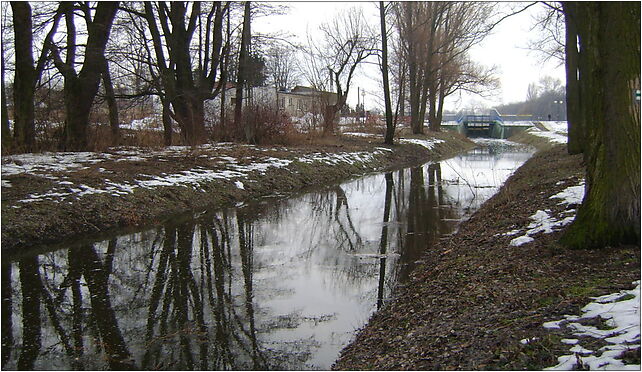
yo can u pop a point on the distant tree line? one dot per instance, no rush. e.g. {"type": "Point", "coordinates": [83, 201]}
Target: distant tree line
{"type": "Point", "coordinates": [545, 100]}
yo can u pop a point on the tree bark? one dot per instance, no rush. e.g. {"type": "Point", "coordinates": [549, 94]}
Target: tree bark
{"type": "Point", "coordinates": [609, 67]}
{"type": "Point", "coordinates": [112, 105]}
{"type": "Point", "coordinates": [6, 130]}
{"type": "Point", "coordinates": [24, 78]}
{"type": "Point", "coordinates": [573, 111]}
{"type": "Point", "coordinates": [248, 127]}
{"type": "Point", "coordinates": [390, 129]}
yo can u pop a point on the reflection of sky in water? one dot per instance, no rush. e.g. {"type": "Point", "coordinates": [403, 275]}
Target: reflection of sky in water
{"type": "Point", "coordinates": [311, 277]}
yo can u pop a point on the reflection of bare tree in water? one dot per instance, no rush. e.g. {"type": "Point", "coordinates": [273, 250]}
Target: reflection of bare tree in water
{"type": "Point", "coordinates": [38, 289]}
{"type": "Point", "coordinates": [383, 241]}
{"type": "Point", "coordinates": [174, 290]}
{"type": "Point", "coordinates": [181, 309]}
{"type": "Point", "coordinates": [177, 294]}
{"type": "Point", "coordinates": [96, 274]}
{"type": "Point", "coordinates": [334, 207]}
{"type": "Point", "coordinates": [342, 201]}
{"type": "Point", "coordinates": [246, 246]}
{"type": "Point", "coordinates": [7, 311]}
{"type": "Point", "coordinates": [427, 213]}
{"type": "Point", "coordinates": [31, 287]}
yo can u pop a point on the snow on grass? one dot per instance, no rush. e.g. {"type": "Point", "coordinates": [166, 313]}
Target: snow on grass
{"type": "Point", "coordinates": [521, 240]}
{"type": "Point", "coordinates": [41, 164]}
{"type": "Point", "coordinates": [571, 195]}
{"type": "Point", "coordinates": [542, 223]}
{"type": "Point", "coordinates": [545, 223]}
{"type": "Point", "coordinates": [621, 312]}
{"type": "Point", "coordinates": [560, 127]}
{"type": "Point", "coordinates": [49, 162]}
{"type": "Point", "coordinates": [345, 157]}
{"type": "Point", "coordinates": [147, 123]}
{"type": "Point", "coordinates": [427, 143]}
{"type": "Point", "coordinates": [359, 134]}
{"type": "Point", "coordinates": [552, 137]}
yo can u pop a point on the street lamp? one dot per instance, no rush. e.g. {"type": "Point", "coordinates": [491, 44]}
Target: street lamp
{"type": "Point", "coordinates": [558, 109]}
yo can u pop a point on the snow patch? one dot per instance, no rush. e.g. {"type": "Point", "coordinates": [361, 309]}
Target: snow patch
{"type": "Point", "coordinates": [521, 240]}
{"type": "Point", "coordinates": [552, 137]}
{"type": "Point", "coordinates": [621, 311]}
{"type": "Point", "coordinates": [428, 143]}
{"type": "Point", "coordinates": [359, 134]}
{"type": "Point", "coordinates": [571, 195]}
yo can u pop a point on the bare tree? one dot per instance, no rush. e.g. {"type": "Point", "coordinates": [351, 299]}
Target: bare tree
{"type": "Point", "coordinates": [549, 34]}
{"type": "Point", "coordinates": [435, 35]}
{"type": "Point", "coordinates": [81, 87]}
{"type": "Point", "coordinates": [390, 129]}
{"type": "Point", "coordinates": [27, 74]}
{"type": "Point", "coordinates": [187, 83]}
{"type": "Point", "coordinates": [331, 63]}
{"type": "Point", "coordinates": [248, 127]}
{"type": "Point", "coordinates": [282, 66]}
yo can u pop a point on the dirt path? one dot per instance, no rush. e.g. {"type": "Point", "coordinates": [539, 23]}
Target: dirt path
{"type": "Point", "coordinates": [47, 198]}
{"type": "Point", "coordinates": [475, 296]}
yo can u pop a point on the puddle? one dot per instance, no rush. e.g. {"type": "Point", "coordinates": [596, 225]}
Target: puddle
{"type": "Point", "coordinates": [278, 285]}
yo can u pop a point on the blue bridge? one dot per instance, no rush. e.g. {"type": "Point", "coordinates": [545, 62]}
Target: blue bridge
{"type": "Point", "coordinates": [491, 125]}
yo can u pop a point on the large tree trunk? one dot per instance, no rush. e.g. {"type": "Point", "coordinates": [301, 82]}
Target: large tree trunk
{"type": "Point", "coordinates": [112, 105]}
{"type": "Point", "coordinates": [6, 130]}
{"type": "Point", "coordinates": [440, 111]}
{"type": "Point", "coordinates": [432, 110]}
{"type": "Point", "coordinates": [574, 113]}
{"type": "Point", "coordinates": [390, 129]}
{"type": "Point", "coordinates": [330, 117]}
{"type": "Point", "coordinates": [24, 78]}
{"type": "Point", "coordinates": [609, 65]}
{"type": "Point", "coordinates": [248, 128]}
{"type": "Point", "coordinates": [77, 108]}
{"type": "Point", "coordinates": [81, 89]}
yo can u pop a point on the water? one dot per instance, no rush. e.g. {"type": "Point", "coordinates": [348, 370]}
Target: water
{"type": "Point", "coordinates": [271, 285]}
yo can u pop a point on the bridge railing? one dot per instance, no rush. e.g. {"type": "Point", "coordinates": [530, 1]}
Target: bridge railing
{"type": "Point", "coordinates": [493, 117]}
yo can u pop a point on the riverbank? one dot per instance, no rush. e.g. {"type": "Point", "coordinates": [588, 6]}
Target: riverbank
{"type": "Point", "coordinates": [47, 198]}
{"type": "Point", "coordinates": [479, 298]}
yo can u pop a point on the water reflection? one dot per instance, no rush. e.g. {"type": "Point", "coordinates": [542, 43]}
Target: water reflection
{"type": "Point", "coordinates": [280, 285]}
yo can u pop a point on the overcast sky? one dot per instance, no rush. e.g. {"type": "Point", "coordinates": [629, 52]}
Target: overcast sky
{"type": "Point", "coordinates": [505, 48]}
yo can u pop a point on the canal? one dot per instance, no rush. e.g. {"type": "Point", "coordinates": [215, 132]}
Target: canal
{"type": "Point", "coordinates": [274, 284]}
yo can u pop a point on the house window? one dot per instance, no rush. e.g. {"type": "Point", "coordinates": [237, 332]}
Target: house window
{"type": "Point", "coordinates": [289, 101]}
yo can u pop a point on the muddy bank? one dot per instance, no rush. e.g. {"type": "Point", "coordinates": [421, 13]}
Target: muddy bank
{"type": "Point", "coordinates": [49, 207]}
{"type": "Point", "coordinates": [475, 296]}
